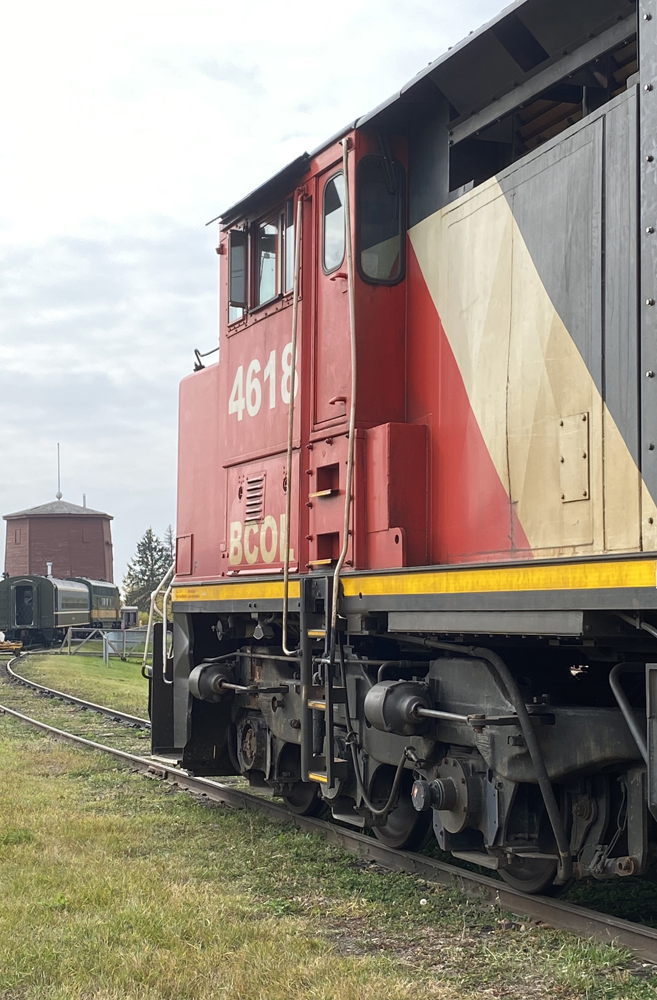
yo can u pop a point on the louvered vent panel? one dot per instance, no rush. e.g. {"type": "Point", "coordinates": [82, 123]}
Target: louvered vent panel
{"type": "Point", "coordinates": [255, 498]}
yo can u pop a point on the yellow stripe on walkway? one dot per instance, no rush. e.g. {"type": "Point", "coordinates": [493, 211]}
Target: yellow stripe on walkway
{"type": "Point", "coordinates": [271, 590]}
{"type": "Point", "coordinates": [564, 576]}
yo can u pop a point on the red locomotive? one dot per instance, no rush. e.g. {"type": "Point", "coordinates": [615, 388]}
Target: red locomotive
{"type": "Point", "coordinates": [416, 572]}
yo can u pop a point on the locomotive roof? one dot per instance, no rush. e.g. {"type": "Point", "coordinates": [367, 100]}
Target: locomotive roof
{"type": "Point", "coordinates": [525, 38]}
{"type": "Point", "coordinates": [56, 507]}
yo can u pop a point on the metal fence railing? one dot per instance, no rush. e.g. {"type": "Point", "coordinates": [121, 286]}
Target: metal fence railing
{"type": "Point", "coordinates": [125, 642]}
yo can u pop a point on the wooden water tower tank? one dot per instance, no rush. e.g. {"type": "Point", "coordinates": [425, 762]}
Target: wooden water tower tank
{"type": "Point", "coordinates": [77, 541]}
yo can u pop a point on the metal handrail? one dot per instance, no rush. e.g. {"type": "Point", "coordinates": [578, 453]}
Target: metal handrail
{"type": "Point", "coordinates": [352, 407]}
{"type": "Point", "coordinates": [290, 424]}
{"type": "Point", "coordinates": [165, 635]}
{"type": "Point", "coordinates": [151, 616]}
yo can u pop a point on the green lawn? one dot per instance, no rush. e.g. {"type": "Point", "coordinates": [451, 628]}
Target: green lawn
{"type": "Point", "coordinates": [115, 887]}
{"type": "Point", "coordinates": [119, 685]}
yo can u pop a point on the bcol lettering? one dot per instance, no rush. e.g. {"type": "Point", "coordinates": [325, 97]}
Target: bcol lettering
{"type": "Point", "coordinates": [252, 543]}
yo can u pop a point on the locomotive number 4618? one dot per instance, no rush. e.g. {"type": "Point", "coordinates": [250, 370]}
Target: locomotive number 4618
{"type": "Point", "coordinates": [250, 396]}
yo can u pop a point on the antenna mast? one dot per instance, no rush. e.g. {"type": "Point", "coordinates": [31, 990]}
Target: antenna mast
{"type": "Point", "coordinates": [58, 494]}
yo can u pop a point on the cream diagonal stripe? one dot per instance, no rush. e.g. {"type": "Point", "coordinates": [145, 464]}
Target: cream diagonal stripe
{"type": "Point", "coordinates": [524, 375]}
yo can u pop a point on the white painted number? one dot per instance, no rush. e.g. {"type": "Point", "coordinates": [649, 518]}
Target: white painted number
{"type": "Point", "coordinates": [236, 401]}
{"type": "Point", "coordinates": [253, 389]}
{"type": "Point", "coordinates": [270, 373]}
{"type": "Point", "coordinates": [253, 398]}
{"type": "Point", "coordinates": [286, 362]}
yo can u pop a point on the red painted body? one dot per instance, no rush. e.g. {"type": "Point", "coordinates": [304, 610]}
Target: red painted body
{"type": "Point", "coordinates": [418, 446]}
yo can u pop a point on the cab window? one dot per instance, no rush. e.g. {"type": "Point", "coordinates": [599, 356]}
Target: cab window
{"type": "Point", "coordinates": [237, 284]}
{"type": "Point", "coordinates": [333, 238]}
{"type": "Point", "coordinates": [380, 226]}
{"type": "Point", "coordinates": [266, 257]}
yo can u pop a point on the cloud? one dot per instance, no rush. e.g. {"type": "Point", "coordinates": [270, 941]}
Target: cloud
{"type": "Point", "coordinates": [246, 79]}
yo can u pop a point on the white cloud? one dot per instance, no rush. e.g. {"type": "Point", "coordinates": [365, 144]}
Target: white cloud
{"type": "Point", "coordinates": [124, 128]}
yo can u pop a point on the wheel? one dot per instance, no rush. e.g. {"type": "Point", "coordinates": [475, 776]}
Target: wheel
{"type": "Point", "coordinates": [405, 828]}
{"type": "Point", "coordinates": [532, 875]}
{"type": "Point", "coordinates": [304, 799]}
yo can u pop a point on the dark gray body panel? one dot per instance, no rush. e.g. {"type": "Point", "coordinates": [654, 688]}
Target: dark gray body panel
{"type": "Point", "coordinates": [574, 202]}
{"type": "Point", "coordinates": [556, 199]}
{"type": "Point", "coordinates": [621, 321]}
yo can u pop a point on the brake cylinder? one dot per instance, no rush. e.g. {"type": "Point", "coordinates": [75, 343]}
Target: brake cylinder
{"type": "Point", "coordinates": [391, 706]}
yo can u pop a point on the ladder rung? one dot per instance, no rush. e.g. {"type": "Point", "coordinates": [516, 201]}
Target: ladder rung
{"type": "Point", "coordinates": [316, 633]}
{"type": "Point", "coordinates": [317, 693]}
{"type": "Point", "coordinates": [324, 493]}
{"type": "Point", "coordinates": [340, 770]}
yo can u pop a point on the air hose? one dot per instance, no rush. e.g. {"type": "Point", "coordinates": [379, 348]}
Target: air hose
{"type": "Point", "coordinates": [352, 738]}
{"type": "Point", "coordinates": [508, 685]}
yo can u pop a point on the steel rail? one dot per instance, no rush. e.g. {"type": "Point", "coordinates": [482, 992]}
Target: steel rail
{"type": "Point", "coordinates": [640, 939]}
{"type": "Point", "coordinates": [111, 713]}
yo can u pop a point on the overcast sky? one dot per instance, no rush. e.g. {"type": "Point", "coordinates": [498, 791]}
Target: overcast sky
{"type": "Point", "coordinates": [124, 128]}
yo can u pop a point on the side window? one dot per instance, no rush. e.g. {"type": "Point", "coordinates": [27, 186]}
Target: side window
{"type": "Point", "coordinates": [289, 245]}
{"type": "Point", "coordinates": [380, 225]}
{"type": "Point", "coordinates": [333, 240]}
{"type": "Point", "coordinates": [266, 256]}
{"type": "Point", "coordinates": [237, 243]}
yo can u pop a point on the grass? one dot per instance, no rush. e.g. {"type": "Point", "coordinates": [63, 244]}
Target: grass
{"type": "Point", "coordinates": [114, 886]}
{"type": "Point", "coordinates": [119, 685]}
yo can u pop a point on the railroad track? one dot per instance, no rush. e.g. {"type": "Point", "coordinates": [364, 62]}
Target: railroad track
{"type": "Point", "coordinates": [557, 913]}
{"type": "Point", "coordinates": [111, 713]}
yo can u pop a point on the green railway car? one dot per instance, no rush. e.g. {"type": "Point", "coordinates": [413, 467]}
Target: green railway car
{"type": "Point", "coordinates": [39, 609]}
{"type": "Point", "coordinates": [104, 602]}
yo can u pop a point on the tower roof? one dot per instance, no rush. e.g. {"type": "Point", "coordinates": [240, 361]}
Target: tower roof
{"type": "Point", "coordinates": [57, 507]}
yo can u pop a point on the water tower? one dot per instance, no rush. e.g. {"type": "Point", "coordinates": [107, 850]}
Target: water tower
{"type": "Point", "coordinates": [76, 540]}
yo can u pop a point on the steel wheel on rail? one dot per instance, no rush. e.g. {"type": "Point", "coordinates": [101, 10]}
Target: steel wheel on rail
{"type": "Point", "coordinates": [404, 828]}
{"type": "Point", "coordinates": [304, 799]}
{"type": "Point", "coordinates": [532, 875]}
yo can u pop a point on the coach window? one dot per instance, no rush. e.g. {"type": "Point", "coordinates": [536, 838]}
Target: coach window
{"type": "Point", "coordinates": [380, 220]}
{"type": "Point", "coordinates": [237, 283]}
{"type": "Point", "coordinates": [333, 246]}
{"type": "Point", "coordinates": [266, 255]}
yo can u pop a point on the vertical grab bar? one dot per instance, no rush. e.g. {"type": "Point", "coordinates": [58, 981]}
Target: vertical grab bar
{"type": "Point", "coordinates": [165, 635]}
{"type": "Point", "coordinates": [352, 408]}
{"type": "Point", "coordinates": [290, 423]}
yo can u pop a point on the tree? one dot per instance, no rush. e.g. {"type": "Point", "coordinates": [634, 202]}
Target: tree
{"type": "Point", "coordinates": [170, 544]}
{"type": "Point", "coordinates": [145, 571]}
